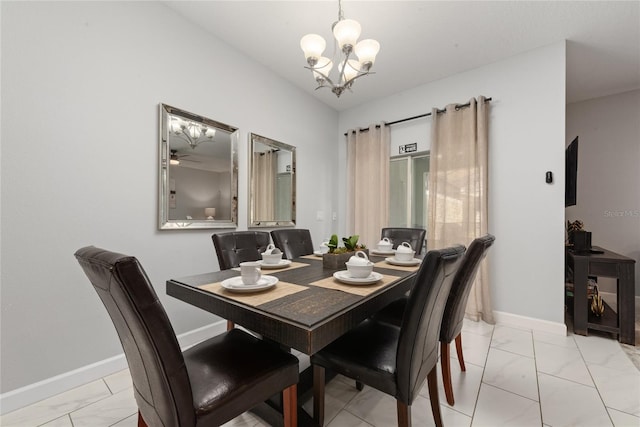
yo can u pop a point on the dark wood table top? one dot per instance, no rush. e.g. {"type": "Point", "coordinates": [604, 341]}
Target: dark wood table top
{"type": "Point", "coordinates": [307, 320]}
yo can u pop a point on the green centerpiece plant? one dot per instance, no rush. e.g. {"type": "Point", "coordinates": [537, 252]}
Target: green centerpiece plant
{"type": "Point", "coordinates": [338, 255]}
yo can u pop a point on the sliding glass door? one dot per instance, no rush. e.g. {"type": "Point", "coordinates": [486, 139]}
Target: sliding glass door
{"type": "Point", "coordinates": [409, 191]}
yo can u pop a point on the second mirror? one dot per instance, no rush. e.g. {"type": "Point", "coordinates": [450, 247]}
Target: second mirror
{"type": "Point", "coordinates": [273, 182]}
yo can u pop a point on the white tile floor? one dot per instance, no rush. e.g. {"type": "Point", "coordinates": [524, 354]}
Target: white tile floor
{"type": "Point", "coordinates": [514, 377]}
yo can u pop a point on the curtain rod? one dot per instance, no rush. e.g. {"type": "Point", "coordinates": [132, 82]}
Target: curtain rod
{"type": "Point", "coordinates": [395, 122]}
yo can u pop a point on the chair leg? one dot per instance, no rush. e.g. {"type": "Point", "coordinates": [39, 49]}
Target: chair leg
{"type": "Point", "coordinates": [445, 362]}
{"type": "Point", "coordinates": [141, 422]}
{"type": "Point", "coordinates": [404, 414]}
{"type": "Point", "coordinates": [359, 385]}
{"type": "Point", "coordinates": [318, 395]}
{"type": "Point", "coordinates": [290, 406]}
{"type": "Point", "coordinates": [230, 325]}
{"type": "Point", "coordinates": [459, 351]}
{"type": "Point", "coordinates": [432, 382]}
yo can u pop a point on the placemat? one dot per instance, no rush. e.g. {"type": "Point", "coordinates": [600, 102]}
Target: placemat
{"type": "Point", "coordinates": [362, 290]}
{"type": "Point", "coordinates": [277, 270]}
{"type": "Point", "coordinates": [313, 257]}
{"type": "Point", "coordinates": [281, 289]}
{"type": "Point", "coordinates": [385, 264]}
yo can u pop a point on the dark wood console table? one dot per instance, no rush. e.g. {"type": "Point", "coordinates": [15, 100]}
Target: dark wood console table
{"type": "Point", "coordinates": [606, 264]}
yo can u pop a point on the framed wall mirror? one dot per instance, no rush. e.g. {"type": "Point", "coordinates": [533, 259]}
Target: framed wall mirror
{"type": "Point", "coordinates": [198, 171]}
{"type": "Point", "coordinates": [273, 183]}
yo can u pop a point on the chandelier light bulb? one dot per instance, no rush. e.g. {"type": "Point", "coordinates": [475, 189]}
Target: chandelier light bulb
{"type": "Point", "coordinates": [346, 33]}
{"type": "Point", "coordinates": [312, 45]}
{"type": "Point", "coordinates": [366, 51]}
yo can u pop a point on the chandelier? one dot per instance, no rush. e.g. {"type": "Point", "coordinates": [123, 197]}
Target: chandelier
{"type": "Point", "coordinates": [190, 132]}
{"type": "Point", "coordinates": [346, 33]}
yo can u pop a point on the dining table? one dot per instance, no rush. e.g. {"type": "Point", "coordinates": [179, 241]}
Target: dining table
{"type": "Point", "coordinates": [306, 305]}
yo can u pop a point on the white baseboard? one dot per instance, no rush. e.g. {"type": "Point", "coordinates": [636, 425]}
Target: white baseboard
{"type": "Point", "coordinates": [523, 322]}
{"type": "Point", "coordinates": [23, 396]}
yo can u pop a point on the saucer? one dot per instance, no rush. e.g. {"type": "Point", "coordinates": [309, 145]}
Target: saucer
{"type": "Point", "coordinates": [394, 261]}
{"type": "Point", "coordinates": [319, 253]}
{"type": "Point", "coordinates": [381, 252]}
{"type": "Point", "coordinates": [282, 264]}
{"type": "Point", "coordinates": [344, 276]}
{"type": "Point", "coordinates": [235, 284]}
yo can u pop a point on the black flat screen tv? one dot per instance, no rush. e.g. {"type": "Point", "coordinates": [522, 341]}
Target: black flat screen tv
{"type": "Point", "coordinates": [571, 173]}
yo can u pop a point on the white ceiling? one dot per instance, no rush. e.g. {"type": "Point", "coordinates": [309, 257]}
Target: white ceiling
{"type": "Point", "coordinates": [423, 41]}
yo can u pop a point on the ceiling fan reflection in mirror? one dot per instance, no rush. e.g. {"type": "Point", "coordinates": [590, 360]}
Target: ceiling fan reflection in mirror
{"type": "Point", "coordinates": [176, 158]}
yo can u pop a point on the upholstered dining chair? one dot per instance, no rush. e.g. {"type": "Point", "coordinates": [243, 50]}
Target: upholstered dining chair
{"type": "Point", "coordinates": [396, 360]}
{"type": "Point", "coordinates": [413, 236]}
{"type": "Point", "coordinates": [239, 246]}
{"type": "Point", "coordinates": [235, 247]}
{"type": "Point", "coordinates": [453, 316]}
{"type": "Point", "coordinates": [294, 242]}
{"type": "Point", "coordinates": [207, 385]}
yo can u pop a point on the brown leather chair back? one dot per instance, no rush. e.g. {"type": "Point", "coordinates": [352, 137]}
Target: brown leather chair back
{"type": "Point", "coordinates": [294, 242]}
{"type": "Point", "coordinates": [453, 317]}
{"type": "Point", "coordinates": [413, 236]}
{"type": "Point", "coordinates": [239, 246]}
{"type": "Point", "coordinates": [418, 342]}
{"type": "Point", "coordinates": [160, 381]}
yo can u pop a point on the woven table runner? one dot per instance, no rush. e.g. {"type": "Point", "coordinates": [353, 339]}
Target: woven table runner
{"type": "Point", "coordinates": [385, 264]}
{"type": "Point", "coordinates": [362, 290]}
{"type": "Point", "coordinates": [281, 289]}
{"type": "Point", "coordinates": [313, 257]}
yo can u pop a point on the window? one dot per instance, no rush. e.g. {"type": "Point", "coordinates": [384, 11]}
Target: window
{"type": "Point", "coordinates": [408, 188]}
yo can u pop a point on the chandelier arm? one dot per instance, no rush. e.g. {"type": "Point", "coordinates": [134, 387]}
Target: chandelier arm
{"type": "Point", "coordinates": [193, 143]}
{"type": "Point", "coordinates": [348, 82]}
{"type": "Point", "coordinates": [184, 137]}
{"type": "Point", "coordinates": [324, 76]}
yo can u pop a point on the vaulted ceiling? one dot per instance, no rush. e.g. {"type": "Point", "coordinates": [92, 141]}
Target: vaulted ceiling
{"type": "Point", "coordinates": [423, 41]}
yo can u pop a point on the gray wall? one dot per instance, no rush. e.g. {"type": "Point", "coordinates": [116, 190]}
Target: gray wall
{"type": "Point", "coordinates": [81, 84]}
{"type": "Point", "coordinates": [608, 198]}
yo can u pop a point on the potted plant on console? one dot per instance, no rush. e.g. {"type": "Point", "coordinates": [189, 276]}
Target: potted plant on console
{"type": "Point", "coordinates": [338, 256]}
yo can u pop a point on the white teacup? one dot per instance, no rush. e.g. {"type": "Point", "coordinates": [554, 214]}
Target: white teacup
{"type": "Point", "coordinates": [385, 244]}
{"type": "Point", "coordinates": [271, 255]}
{"type": "Point", "coordinates": [359, 265]}
{"type": "Point", "coordinates": [324, 247]}
{"type": "Point", "coordinates": [250, 272]}
{"type": "Point", "coordinates": [404, 252]}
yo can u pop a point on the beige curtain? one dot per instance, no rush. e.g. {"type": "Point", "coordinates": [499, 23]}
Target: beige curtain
{"type": "Point", "coordinates": [368, 183]}
{"type": "Point", "coordinates": [264, 184]}
{"type": "Point", "coordinates": [458, 189]}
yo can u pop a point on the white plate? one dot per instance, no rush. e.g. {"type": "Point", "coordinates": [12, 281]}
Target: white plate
{"type": "Point", "coordinates": [394, 261]}
{"type": "Point", "coordinates": [344, 276]}
{"type": "Point", "coordinates": [235, 284]}
{"type": "Point", "coordinates": [379, 252]}
{"type": "Point", "coordinates": [282, 264]}
{"type": "Point", "coordinates": [318, 253]}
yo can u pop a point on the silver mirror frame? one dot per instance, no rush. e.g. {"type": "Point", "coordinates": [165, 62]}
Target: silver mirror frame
{"type": "Point", "coordinates": [164, 223]}
{"type": "Point", "coordinates": [253, 221]}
